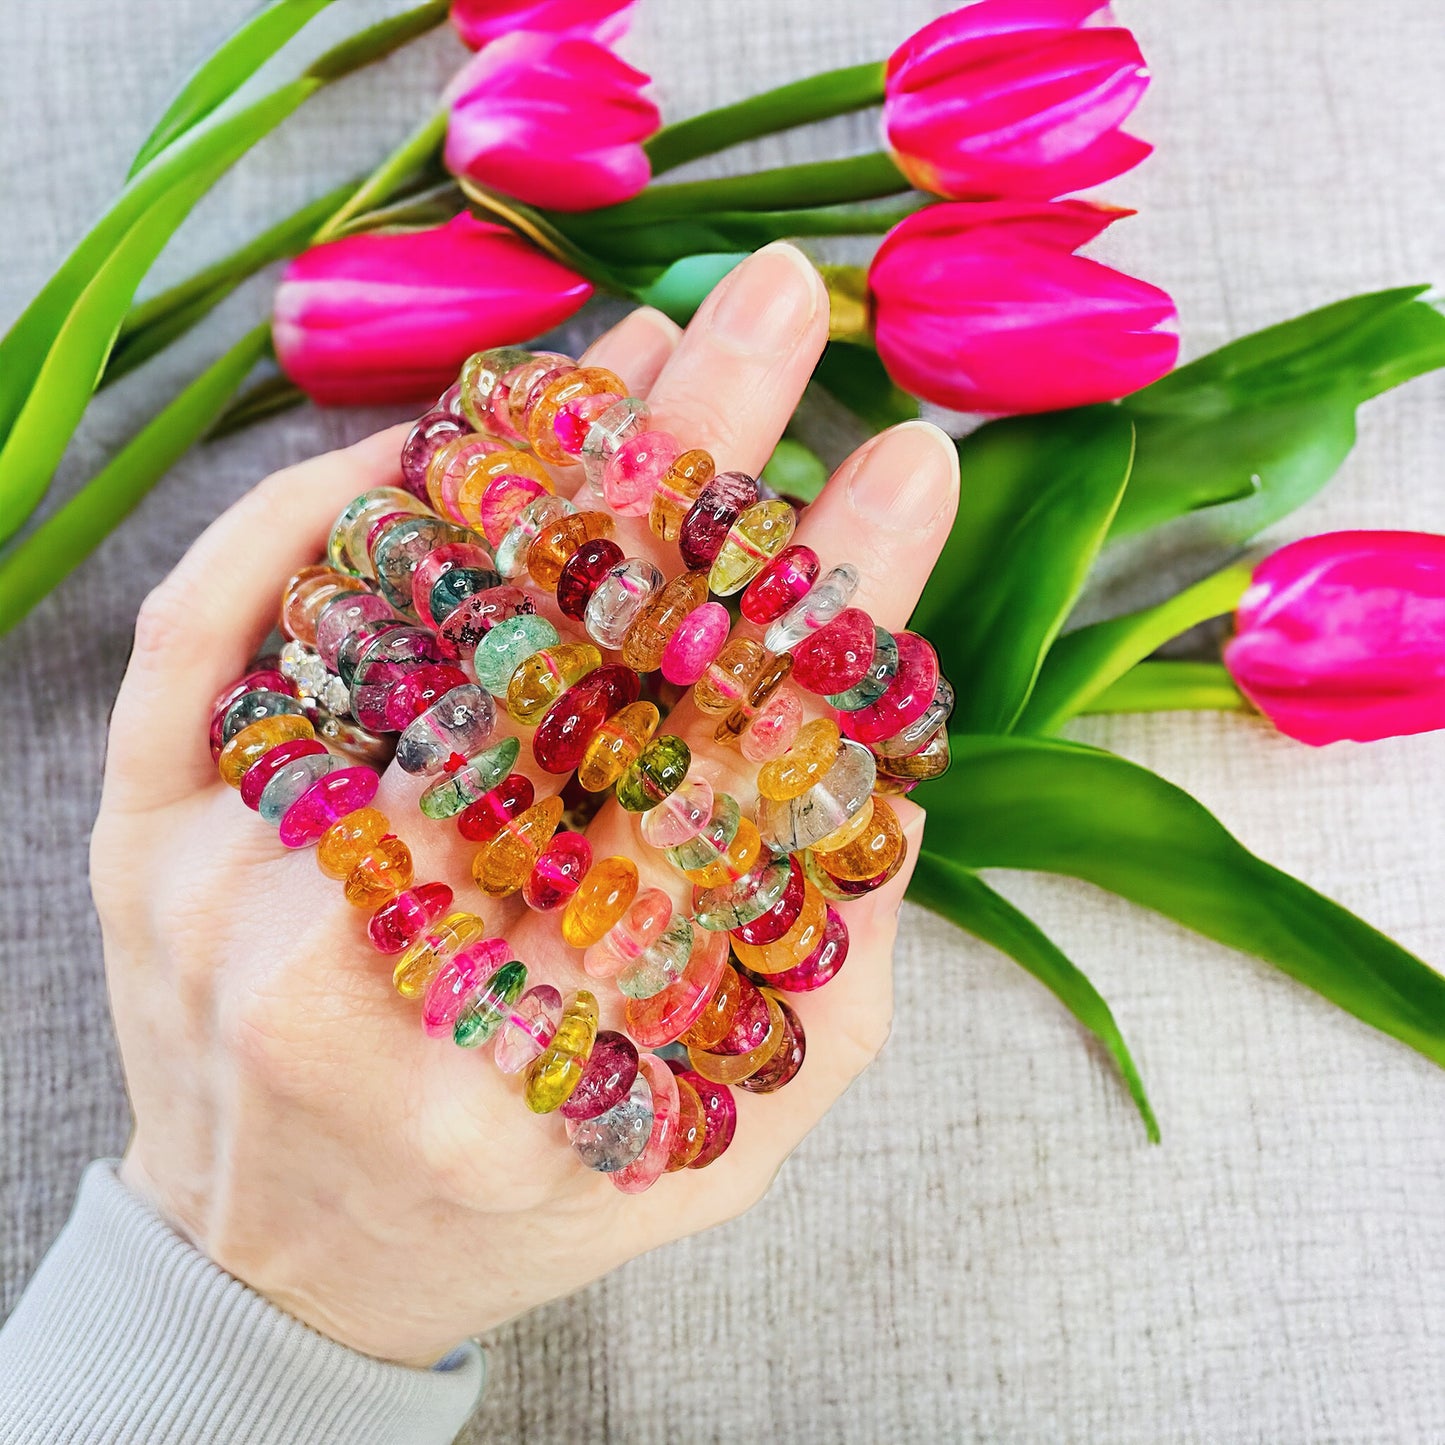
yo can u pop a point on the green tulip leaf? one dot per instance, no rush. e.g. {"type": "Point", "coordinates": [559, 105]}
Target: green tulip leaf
{"type": "Point", "coordinates": [854, 375]}
{"type": "Point", "coordinates": [679, 291]}
{"type": "Point", "coordinates": [1038, 494]}
{"type": "Point", "coordinates": [1056, 807]}
{"type": "Point", "coordinates": [223, 72]}
{"type": "Point", "coordinates": [1169, 686]}
{"type": "Point", "coordinates": [795, 470]}
{"type": "Point", "coordinates": [965, 899]}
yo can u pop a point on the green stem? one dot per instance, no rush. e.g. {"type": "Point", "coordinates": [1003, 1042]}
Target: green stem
{"type": "Point", "coordinates": [415, 153]}
{"type": "Point", "coordinates": [359, 50]}
{"type": "Point", "coordinates": [834, 92]}
{"type": "Point", "coordinates": [1171, 687]}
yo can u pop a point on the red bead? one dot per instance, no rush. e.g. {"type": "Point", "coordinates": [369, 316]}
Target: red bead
{"type": "Point", "coordinates": [611, 1068]}
{"type": "Point", "coordinates": [401, 920]}
{"type": "Point", "coordinates": [475, 616]}
{"type": "Point", "coordinates": [253, 783]}
{"type": "Point", "coordinates": [906, 699]}
{"type": "Point", "coordinates": [581, 573]}
{"type": "Point", "coordinates": [820, 965]}
{"type": "Point", "coordinates": [837, 656]}
{"type": "Point", "coordinates": [781, 583]}
{"type": "Point", "coordinates": [719, 1112]}
{"type": "Point", "coordinates": [418, 690]}
{"type": "Point", "coordinates": [784, 1065]}
{"type": "Point", "coordinates": [563, 735]}
{"type": "Point", "coordinates": [773, 924]}
{"type": "Point", "coordinates": [750, 1023]}
{"type": "Point", "coordinates": [263, 679]}
{"type": "Point", "coordinates": [482, 820]}
{"type": "Point", "coordinates": [718, 506]}
{"type": "Point", "coordinates": [558, 873]}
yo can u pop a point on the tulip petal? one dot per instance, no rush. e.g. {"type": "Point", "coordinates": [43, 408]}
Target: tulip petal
{"type": "Point", "coordinates": [479, 22]}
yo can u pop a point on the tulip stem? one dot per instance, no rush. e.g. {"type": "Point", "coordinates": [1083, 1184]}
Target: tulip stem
{"type": "Point", "coordinates": [834, 92]}
{"type": "Point", "coordinates": [1171, 687]}
{"type": "Point", "coordinates": [416, 153]}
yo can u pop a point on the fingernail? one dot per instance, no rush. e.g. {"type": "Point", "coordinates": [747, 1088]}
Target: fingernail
{"type": "Point", "coordinates": [769, 300]}
{"type": "Point", "coordinates": [908, 479]}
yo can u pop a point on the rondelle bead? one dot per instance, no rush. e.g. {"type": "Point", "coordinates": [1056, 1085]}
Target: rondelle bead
{"type": "Point", "coordinates": [479, 821]}
{"type": "Point", "coordinates": [435, 565]}
{"type": "Point", "coordinates": [734, 1068]}
{"type": "Point", "coordinates": [288, 783]}
{"type": "Point", "coordinates": [402, 546]}
{"type": "Point", "coordinates": [346, 546]}
{"type": "Point", "coordinates": [556, 1071]}
{"type": "Point", "coordinates": [732, 904]}
{"type": "Point", "coordinates": [932, 760]}
{"type": "Point", "coordinates": [501, 651]}
{"type": "Point", "coordinates": [612, 1141]}
{"type": "Point", "coordinates": [611, 1069]}
{"type": "Point", "coordinates": [837, 656]}
{"type": "Point", "coordinates": [418, 691]}
{"type": "Point", "coordinates": [382, 665]}
{"type": "Point", "coordinates": [485, 1007]}
{"type": "Point", "coordinates": [253, 783]}
{"type": "Point", "coordinates": [455, 727]}
{"type": "Point", "coordinates": [783, 1066]}
{"type": "Point", "coordinates": [654, 773]}
{"type": "Point", "coordinates": [716, 1019]}
{"type": "Point", "coordinates": [770, 677]}
{"type": "Point", "coordinates": [614, 745]}
{"type": "Point", "coordinates": [648, 1167]}
{"type": "Point", "coordinates": [357, 643]}
{"type": "Point", "coordinates": [876, 679]}
{"type": "Point", "coordinates": [475, 615]}
{"type": "Point", "coordinates": [677, 490]}
{"type": "Point", "coordinates": [557, 873]}
{"type": "Point", "coordinates": [647, 638]}
{"type": "Point", "coordinates": [775, 728]}
{"type": "Point", "coordinates": [343, 845]}
{"type": "Point", "coordinates": [634, 932]}
{"type": "Point", "coordinates": [386, 869]}
{"type": "Point", "coordinates": [503, 864]}
{"type": "Point", "coordinates": [341, 616]}
{"type": "Point", "coordinates": [820, 965]}
{"type": "Point", "coordinates": [719, 1112]}
{"type": "Point", "coordinates": [750, 1026]}
{"type": "Point", "coordinates": [619, 599]}
{"type": "Point", "coordinates": [907, 698]}
{"type": "Point", "coordinates": [528, 1029]}
{"type": "Point", "coordinates": [556, 542]}
{"type": "Point", "coordinates": [500, 503]}
{"type": "Point", "coordinates": [402, 919]}
{"type": "Point", "coordinates": [543, 412]}
{"type": "Point", "coordinates": [457, 978]}
{"type": "Point", "coordinates": [691, 1126]}
{"type": "Point", "coordinates": [259, 678]}
{"type": "Point", "coordinates": [446, 797]}
{"type": "Point", "coordinates": [604, 895]}
{"type": "Point", "coordinates": [625, 418]}
{"type": "Point", "coordinates": [515, 396]}
{"type": "Point", "coordinates": [793, 823]}
{"type": "Point", "coordinates": [480, 384]}
{"type": "Point", "coordinates": [916, 735]}
{"type": "Point", "coordinates": [696, 642]}
{"type": "Point", "coordinates": [330, 797]}
{"type": "Point", "coordinates": [773, 924]}
{"type": "Point", "coordinates": [823, 603]}
{"type": "Point", "coordinates": [868, 854]}
{"type": "Point", "coordinates": [532, 520]}
{"type": "Point", "coordinates": [306, 595]}
{"type": "Point", "coordinates": [252, 744]}
{"type": "Point", "coordinates": [795, 945]}
{"type": "Point", "coordinates": [539, 680]}
{"type": "Point", "coordinates": [253, 706]}
{"type": "Point", "coordinates": [810, 757]}
{"type": "Point", "coordinates": [710, 842]}
{"type": "Point", "coordinates": [661, 963]}
{"type": "Point", "coordinates": [736, 861]}
{"type": "Point", "coordinates": [561, 738]}
{"type": "Point", "coordinates": [634, 469]}
{"type": "Point", "coordinates": [780, 584]}
{"type": "Point", "coordinates": [681, 816]}
{"type": "Point", "coordinates": [708, 521]}
{"type": "Point", "coordinates": [758, 535]}
{"type": "Point", "coordinates": [582, 572]}
{"type": "Point", "coordinates": [666, 1016]}
{"type": "Point", "coordinates": [854, 827]}
{"type": "Point", "coordinates": [448, 466]}
{"type": "Point", "coordinates": [428, 436]}
{"type": "Point", "coordinates": [452, 588]}
{"type": "Point", "coordinates": [729, 675]}
{"type": "Point", "coordinates": [426, 953]}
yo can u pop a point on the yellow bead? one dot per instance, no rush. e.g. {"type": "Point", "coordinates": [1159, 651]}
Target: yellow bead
{"type": "Point", "coordinates": [870, 852]}
{"type": "Point", "coordinates": [759, 693]}
{"type": "Point", "coordinates": [482, 471]}
{"type": "Point", "coordinates": [541, 425]}
{"type": "Point", "coordinates": [615, 744]}
{"type": "Point", "coordinates": [555, 1072]}
{"type": "Point", "coordinates": [542, 678]}
{"type": "Point", "coordinates": [416, 968]}
{"type": "Point", "coordinates": [646, 639]}
{"type": "Point", "coordinates": [758, 535]}
{"type": "Point", "coordinates": [795, 945]}
{"type": "Point", "coordinates": [744, 850]}
{"type": "Point", "coordinates": [385, 868]}
{"type": "Point", "coordinates": [734, 1068]}
{"type": "Point", "coordinates": [810, 757]}
{"type": "Point", "coordinates": [346, 841]}
{"type": "Point", "coordinates": [450, 462]}
{"type": "Point", "coordinates": [729, 675]}
{"type": "Point", "coordinates": [503, 863]}
{"type": "Point", "coordinates": [557, 541]}
{"type": "Point", "coordinates": [603, 896]}
{"type": "Point", "coordinates": [257, 739]}
{"type": "Point", "coordinates": [842, 836]}
{"type": "Point", "coordinates": [678, 490]}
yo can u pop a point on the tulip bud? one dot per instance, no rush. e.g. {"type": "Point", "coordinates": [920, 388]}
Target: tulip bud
{"type": "Point", "coordinates": [479, 22]}
{"type": "Point", "coordinates": [1343, 636]}
{"type": "Point", "coordinates": [555, 121]}
{"type": "Point", "coordinates": [985, 308]}
{"type": "Point", "coordinates": [1014, 98]}
{"type": "Point", "coordinates": [390, 317]}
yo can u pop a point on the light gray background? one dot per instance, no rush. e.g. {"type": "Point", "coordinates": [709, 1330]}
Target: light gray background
{"type": "Point", "coordinates": [977, 1244]}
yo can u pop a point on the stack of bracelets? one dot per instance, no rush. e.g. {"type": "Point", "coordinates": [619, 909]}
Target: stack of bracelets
{"type": "Point", "coordinates": [424, 620]}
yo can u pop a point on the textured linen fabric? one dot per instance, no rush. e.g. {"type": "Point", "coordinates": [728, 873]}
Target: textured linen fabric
{"type": "Point", "coordinates": [128, 1334]}
{"type": "Point", "coordinates": [977, 1244]}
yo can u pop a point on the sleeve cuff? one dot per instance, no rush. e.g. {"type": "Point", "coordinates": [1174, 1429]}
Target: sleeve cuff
{"type": "Point", "coordinates": [129, 1334]}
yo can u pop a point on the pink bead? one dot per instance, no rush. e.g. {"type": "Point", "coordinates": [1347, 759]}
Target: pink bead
{"type": "Point", "coordinates": [775, 728]}
{"type": "Point", "coordinates": [638, 929]}
{"type": "Point", "coordinates": [436, 562]}
{"type": "Point", "coordinates": [607, 1078]}
{"type": "Point", "coordinates": [634, 470]}
{"type": "Point", "coordinates": [253, 783]}
{"type": "Point", "coordinates": [649, 1166]}
{"type": "Point", "coordinates": [402, 919]}
{"type": "Point", "coordinates": [503, 501]}
{"type": "Point", "coordinates": [837, 656]}
{"type": "Point", "coordinates": [820, 965]}
{"type": "Point", "coordinates": [784, 581]}
{"type": "Point", "coordinates": [666, 1016]}
{"type": "Point", "coordinates": [680, 816]}
{"type": "Point", "coordinates": [423, 442]}
{"type": "Point", "coordinates": [464, 971]}
{"type": "Point", "coordinates": [528, 1029]}
{"type": "Point", "coordinates": [342, 616]}
{"type": "Point", "coordinates": [328, 799]}
{"type": "Point", "coordinates": [773, 924]}
{"type": "Point", "coordinates": [557, 874]}
{"type": "Point", "coordinates": [698, 639]}
{"type": "Point", "coordinates": [906, 699]}
{"type": "Point", "coordinates": [574, 419]}
{"type": "Point", "coordinates": [418, 690]}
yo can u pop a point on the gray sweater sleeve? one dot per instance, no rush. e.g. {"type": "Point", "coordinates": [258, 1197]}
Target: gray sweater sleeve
{"type": "Point", "coordinates": [129, 1334]}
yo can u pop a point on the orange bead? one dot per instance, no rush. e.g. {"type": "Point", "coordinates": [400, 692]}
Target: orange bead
{"type": "Point", "coordinates": [691, 1128]}
{"type": "Point", "coordinates": [717, 1016]}
{"type": "Point", "coordinates": [448, 468]}
{"type": "Point", "coordinates": [384, 869]}
{"type": "Point", "coordinates": [871, 851]}
{"type": "Point", "coordinates": [734, 1068]}
{"type": "Point", "coordinates": [257, 739]}
{"type": "Point", "coordinates": [615, 744]}
{"type": "Point", "coordinates": [306, 593]}
{"type": "Point", "coordinates": [541, 424]}
{"type": "Point", "coordinates": [744, 850]}
{"type": "Point", "coordinates": [346, 842]}
{"type": "Point", "coordinates": [603, 896]}
{"type": "Point", "coordinates": [502, 864]}
{"type": "Point", "coordinates": [729, 675]}
{"type": "Point", "coordinates": [647, 638]}
{"type": "Point", "coordinates": [795, 945]}
{"type": "Point", "coordinates": [541, 678]}
{"type": "Point", "coordinates": [842, 836]}
{"type": "Point", "coordinates": [677, 491]}
{"type": "Point", "coordinates": [557, 541]}
{"type": "Point", "coordinates": [482, 471]}
{"type": "Point", "coordinates": [805, 763]}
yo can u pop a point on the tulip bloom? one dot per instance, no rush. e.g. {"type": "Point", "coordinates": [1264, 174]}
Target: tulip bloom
{"type": "Point", "coordinates": [1014, 98]}
{"type": "Point", "coordinates": [390, 318]}
{"type": "Point", "coordinates": [985, 308]}
{"type": "Point", "coordinates": [1343, 636]}
{"type": "Point", "coordinates": [556, 121]}
{"type": "Point", "coordinates": [479, 22]}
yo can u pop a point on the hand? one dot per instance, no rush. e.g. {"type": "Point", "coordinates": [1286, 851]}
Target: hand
{"type": "Point", "coordinates": [291, 1116]}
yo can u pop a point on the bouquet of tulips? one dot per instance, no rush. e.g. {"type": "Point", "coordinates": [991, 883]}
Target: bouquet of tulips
{"type": "Point", "coordinates": [535, 184]}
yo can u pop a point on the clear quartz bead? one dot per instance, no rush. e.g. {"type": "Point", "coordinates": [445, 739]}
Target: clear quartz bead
{"type": "Point", "coordinates": [623, 419]}
{"type": "Point", "coordinates": [619, 599]}
{"type": "Point", "coordinates": [816, 608]}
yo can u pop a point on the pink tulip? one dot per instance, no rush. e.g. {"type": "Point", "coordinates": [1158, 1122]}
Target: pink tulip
{"type": "Point", "coordinates": [556, 121]}
{"type": "Point", "coordinates": [1015, 98]}
{"type": "Point", "coordinates": [480, 21]}
{"type": "Point", "coordinates": [390, 318]}
{"type": "Point", "coordinates": [984, 308]}
{"type": "Point", "coordinates": [1343, 636]}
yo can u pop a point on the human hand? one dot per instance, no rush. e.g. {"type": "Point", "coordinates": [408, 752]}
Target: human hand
{"type": "Point", "coordinates": [291, 1117]}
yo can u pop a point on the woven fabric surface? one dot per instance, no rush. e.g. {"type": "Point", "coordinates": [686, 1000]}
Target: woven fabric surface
{"type": "Point", "coordinates": [977, 1244]}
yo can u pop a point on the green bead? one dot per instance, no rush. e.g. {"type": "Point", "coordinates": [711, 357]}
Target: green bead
{"type": "Point", "coordinates": [485, 1010]}
{"type": "Point", "coordinates": [506, 645]}
{"type": "Point", "coordinates": [656, 772]}
{"type": "Point", "coordinates": [448, 796]}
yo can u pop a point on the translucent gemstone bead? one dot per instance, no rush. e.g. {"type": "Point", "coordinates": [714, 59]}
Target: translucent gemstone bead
{"type": "Point", "coordinates": [306, 594]}
{"type": "Point", "coordinates": [501, 651]}
{"type": "Point", "coordinates": [826, 601]}
{"type": "Point", "coordinates": [696, 642]}
{"type": "Point", "coordinates": [636, 466]}
{"type": "Point", "coordinates": [575, 417]}
{"type": "Point", "coordinates": [487, 1005]}
{"type": "Point", "coordinates": [453, 588]}
{"type": "Point", "coordinates": [400, 550]}
{"type": "Point", "coordinates": [611, 1069]}
{"type": "Point", "coordinates": [680, 816]}
{"type": "Point", "coordinates": [435, 565]}
{"type": "Point", "coordinates": [712, 841]}
{"type": "Point", "coordinates": [356, 644]}
{"type": "Point", "coordinates": [930, 761]}
{"type": "Point", "coordinates": [384, 663]}
{"type": "Point", "coordinates": [528, 1029]}
{"type": "Point", "coordinates": [342, 615]}
{"type": "Point", "coordinates": [758, 535]}
{"type": "Point", "coordinates": [457, 725]}
{"type": "Point", "coordinates": [514, 399]}
{"type": "Point", "coordinates": [794, 823]}
{"type": "Point", "coordinates": [446, 797]}
{"type": "Point", "coordinates": [729, 675]}
{"type": "Point", "coordinates": [253, 784]}
{"type": "Point", "coordinates": [479, 379]}
{"type": "Point", "coordinates": [795, 945]}
{"type": "Point", "coordinates": [725, 498]}
{"type": "Point", "coordinates": [621, 420]}
{"type": "Point", "coordinates": [619, 599]}
{"type": "Point", "coordinates": [420, 690]}
{"type": "Point", "coordinates": [870, 853]}
{"type": "Point", "coordinates": [556, 1071]}
{"type": "Point", "coordinates": [252, 744]}
{"type": "Point", "coordinates": [841, 837]}
{"type": "Point", "coordinates": [773, 924]}
{"type": "Point", "coordinates": [677, 490]}
{"type": "Point", "coordinates": [647, 638]}
{"type": "Point", "coordinates": [913, 736]}
{"type": "Point", "coordinates": [730, 905]}
{"type": "Point", "coordinates": [348, 840]}
{"type": "Point", "coordinates": [400, 920]}
{"type": "Point", "coordinates": [385, 870]}
{"type": "Point", "coordinates": [908, 697]}
{"type": "Point", "coordinates": [837, 656]}
{"type": "Point", "coordinates": [542, 413]}
{"type": "Point", "coordinates": [428, 436]}
{"type": "Point", "coordinates": [613, 1140]}
{"type": "Point", "coordinates": [787, 1059]}
{"type": "Point", "coordinates": [779, 585]}
{"type": "Point", "coordinates": [346, 546]}
{"type": "Point", "coordinates": [666, 1016]}
{"type": "Point", "coordinates": [476, 615]}
{"type": "Point", "coordinates": [288, 783]}
{"type": "Point", "coordinates": [648, 1167]}
{"type": "Point", "coordinates": [261, 678]}
{"type": "Point", "coordinates": [253, 706]}
{"type": "Point", "coordinates": [736, 861]}
{"type": "Point", "coordinates": [582, 572]}
{"type": "Point", "coordinates": [558, 873]}
{"type": "Point", "coordinates": [556, 542]}
{"type": "Point", "coordinates": [719, 1112]}
{"type": "Point", "coordinates": [691, 1125]}
{"type": "Point", "coordinates": [503, 864]}
{"type": "Point", "coordinates": [457, 977]}
{"type": "Point", "coordinates": [615, 744]}
{"type": "Point", "coordinates": [560, 741]}
{"type": "Point", "coordinates": [654, 773]}
{"type": "Point", "coordinates": [479, 821]}
{"type": "Point", "coordinates": [542, 678]}
{"type": "Point", "coordinates": [330, 797]}
{"type": "Point", "coordinates": [842, 889]}
{"type": "Point", "coordinates": [759, 692]}
{"type": "Point", "coordinates": [425, 954]}
{"type": "Point", "coordinates": [775, 728]}
{"type": "Point", "coordinates": [447, 468]}
{"type": "Point", "coordinates": [820, 965]}
{"type": "Point", "coordinates": [734, 1068]}
{"type": "Point", "coordinates": [810, 757]}
{"type": "Point", "coordinates": [634, 932]}
{"type": "Point", "coordinates": [604, 896]}
{"type": "Point", "coordinates": [716, 1020]}
{"type": "Point", "coordinates": [502, 503]}
{"type": "Point", "coordinates": [661, 964]}
{"type": "Point", "coordinates": [750, 1026]}
{"type": "Point", "coordinates": [876, 680]}
{"type": "Point", "coordinates": [532, 520]}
